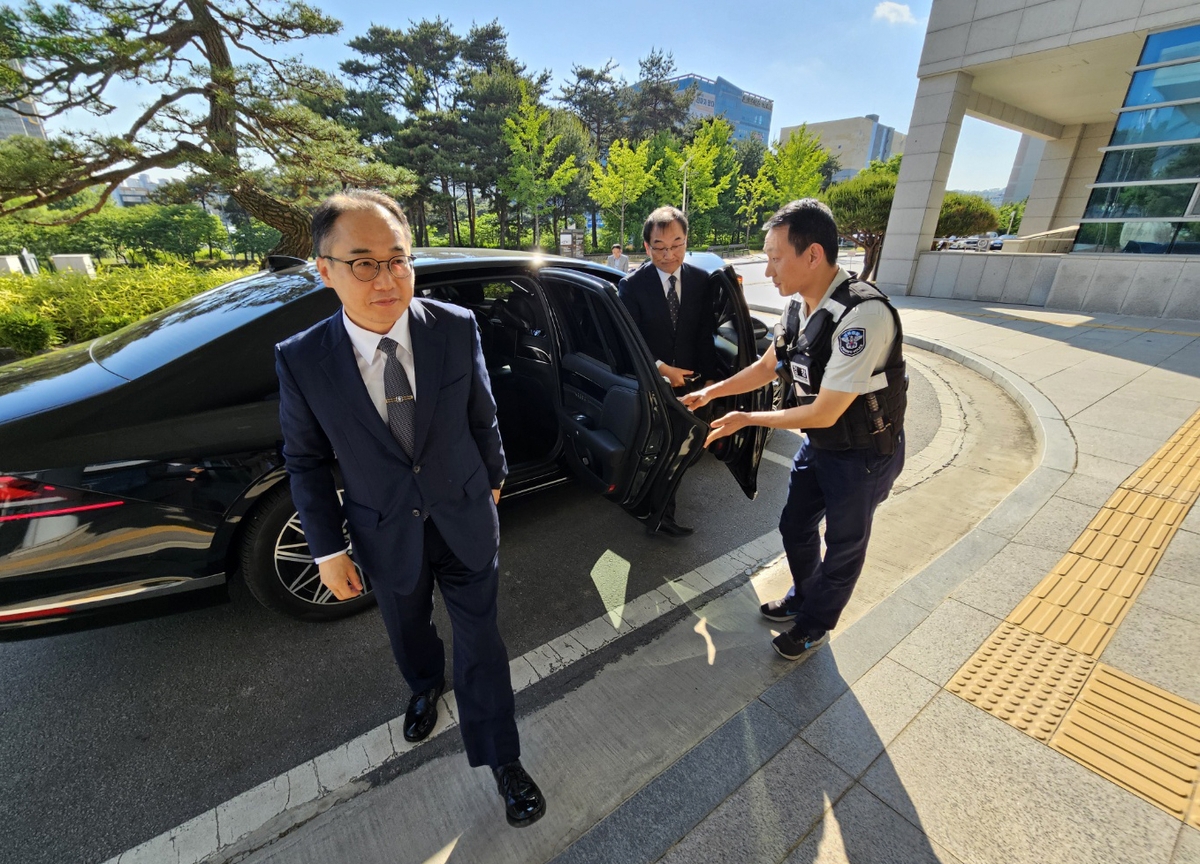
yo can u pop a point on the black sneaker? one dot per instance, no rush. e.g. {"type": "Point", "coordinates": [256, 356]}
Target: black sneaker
{"type": "Point", "coordinates": [796, 643]}
{"type": "Point", "coordinates": [778, 610]}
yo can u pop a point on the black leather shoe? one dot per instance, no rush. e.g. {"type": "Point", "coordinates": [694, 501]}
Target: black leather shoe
{"type": "Point", "coordinates": [421, 715]}
{"type": "Point", "coordinates": [671, 528]}
{"type": "Point", "coordinates": [523, 801]}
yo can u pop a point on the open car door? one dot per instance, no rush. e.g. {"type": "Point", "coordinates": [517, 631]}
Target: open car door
{"type": "Point", "coordinates": [736, 349]}
{"type": "Point", "coordinates": [624, 432]}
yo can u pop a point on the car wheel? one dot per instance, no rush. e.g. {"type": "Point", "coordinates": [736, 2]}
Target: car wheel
{"type": "Point", "coordinates": [279, 569]}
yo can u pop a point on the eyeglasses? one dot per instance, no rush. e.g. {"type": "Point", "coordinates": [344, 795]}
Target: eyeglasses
{"type": "Point", "coordinates": [661, 249]}
{"type": "Point", "coordinates": [366, 269]}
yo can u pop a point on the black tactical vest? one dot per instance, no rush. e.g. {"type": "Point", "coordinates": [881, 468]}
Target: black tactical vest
{"type": "Point", "coordinates": [873, 420]}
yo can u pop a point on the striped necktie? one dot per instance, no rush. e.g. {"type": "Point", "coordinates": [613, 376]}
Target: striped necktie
{"type": "Point", "coordinates": [401, 404]}
{"type": "Point", "coordinates": [673, 304]}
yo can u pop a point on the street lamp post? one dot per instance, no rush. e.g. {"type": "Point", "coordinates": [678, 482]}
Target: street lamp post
{"type": "Point", "coordinates": [685, 167]}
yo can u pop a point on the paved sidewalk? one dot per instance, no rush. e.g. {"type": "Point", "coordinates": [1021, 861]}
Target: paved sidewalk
{"type": "Point", "coordinates": [1032, 694]}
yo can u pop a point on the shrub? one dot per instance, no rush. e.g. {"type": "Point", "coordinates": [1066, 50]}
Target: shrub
{"type": "Point", "coordinates": [79, 308]}
{"type": "Point", "coordinates": [25, 332]}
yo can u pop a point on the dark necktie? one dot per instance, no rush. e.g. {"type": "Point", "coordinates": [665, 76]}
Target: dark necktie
{"type": "Point", "coordinates": [673, 304]}
{"type": "Point", "coordinates": [401, 404]}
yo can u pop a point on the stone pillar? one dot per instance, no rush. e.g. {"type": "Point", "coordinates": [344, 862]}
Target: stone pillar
{"type": "Point", "coordinates": [1048, 184]}
{"type": "Point", "coordinates": [937, 118]}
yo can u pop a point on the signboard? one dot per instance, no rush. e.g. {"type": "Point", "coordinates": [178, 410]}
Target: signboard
{"type": "Point", "coordinates": [704, 105]}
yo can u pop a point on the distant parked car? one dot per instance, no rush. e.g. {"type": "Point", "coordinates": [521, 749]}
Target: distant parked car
{"type": "Point", "coordinates": [998, 242]}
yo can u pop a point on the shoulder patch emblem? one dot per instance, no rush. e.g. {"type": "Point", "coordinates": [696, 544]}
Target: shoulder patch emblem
{"type": "Point", "coordinates": [852, 340]}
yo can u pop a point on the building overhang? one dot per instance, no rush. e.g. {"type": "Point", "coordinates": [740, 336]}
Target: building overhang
{"type": "Point", "coordinates": [1082, 83]}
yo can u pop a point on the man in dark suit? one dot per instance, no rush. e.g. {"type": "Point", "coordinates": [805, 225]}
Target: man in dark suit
{"type": "Point", "coordinates": [397, 387]}
{"type": "Point", "coordinates": [673, 304]}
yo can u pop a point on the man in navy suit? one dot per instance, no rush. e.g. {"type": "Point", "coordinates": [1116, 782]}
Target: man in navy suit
{"type": "Point", "coordinates": [674, 307]}
{"type": "Point", "coordinates": [398, 389]}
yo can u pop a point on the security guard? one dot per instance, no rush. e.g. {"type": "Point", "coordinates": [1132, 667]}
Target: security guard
{"type": "Point", "coordinates": [838, 354]}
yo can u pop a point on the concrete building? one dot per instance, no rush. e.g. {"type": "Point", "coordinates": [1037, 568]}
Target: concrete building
{"type": "Point", "coordinates": [855, 141]}
{"type": "Point", "coordinates": [1024, 170]}
{"type": "Point", "coordinates": [21, 118]}
{"type": "Point", "coordinates": [1113, 88]}
{"type": "Point", "coordinates": [135, 190]}
{"type": "Point", "coordinates": [749, 114]}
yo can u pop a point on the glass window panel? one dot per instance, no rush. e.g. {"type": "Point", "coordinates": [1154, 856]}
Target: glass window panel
{"type": "Point", "coordinates": [1166, 84]}
{"type": "Point", "coordinates": [1179, 162]}
{"type": "Point", "coordinates": [1171, 45]}
{"type": "Point", "coordinates": [1176, 123]}
{"type": "Point", "coordinates": [1128, 202]}
{"type": "Point", "coordinates": [1144, 238]}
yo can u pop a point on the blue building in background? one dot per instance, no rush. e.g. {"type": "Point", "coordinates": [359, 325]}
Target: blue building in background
{"type": "Point", "coordinates": [749, 114]}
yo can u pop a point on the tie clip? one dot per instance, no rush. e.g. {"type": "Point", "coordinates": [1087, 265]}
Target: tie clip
{"type": "Point", "coordinates": [389, 400]}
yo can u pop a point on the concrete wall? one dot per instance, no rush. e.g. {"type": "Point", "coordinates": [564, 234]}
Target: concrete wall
{"type": "Point", "coordinates": [965, 33]}
{"type": "Point", "coordinates": [1152, 286]}
{"type": "Point", "coordinates": [996, 278]}
{"type": "Point", "coordinates": [1147, 285]}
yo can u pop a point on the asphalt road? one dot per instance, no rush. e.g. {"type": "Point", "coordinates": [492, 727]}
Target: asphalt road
{"type": "Point", "coordinates": [113, 734]}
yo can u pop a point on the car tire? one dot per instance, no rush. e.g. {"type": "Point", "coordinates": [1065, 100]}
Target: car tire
{"type": "Point", "coordinates": [277, 565]}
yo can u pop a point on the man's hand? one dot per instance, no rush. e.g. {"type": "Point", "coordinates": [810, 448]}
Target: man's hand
{"type": "Point", "coordinates": [340, 576]}
{"type": "Point", "coordinates": [727, 425]}
{"type": "Point", "coordinates": [697, 398]}
{"type": "Point", "coordinates": [496, 496]}
{"type": "Point", "coordinates": [677, 376]}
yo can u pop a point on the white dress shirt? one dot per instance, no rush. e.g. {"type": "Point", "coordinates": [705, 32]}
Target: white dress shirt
{"type": "Point", "coordinates": [371, 362]}
{"type": "Point", "coordinates": [664, 276]}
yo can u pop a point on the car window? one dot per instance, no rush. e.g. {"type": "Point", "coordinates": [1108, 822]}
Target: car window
{"type": "Point", "coordinates": [586, 327]}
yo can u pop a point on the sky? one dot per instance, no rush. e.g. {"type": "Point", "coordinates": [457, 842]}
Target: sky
{"type": "Point", "coordinates": [817, 59]}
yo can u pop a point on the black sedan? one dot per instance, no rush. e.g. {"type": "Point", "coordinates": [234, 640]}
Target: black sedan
{"type": "Point", "coordinates": [148, 461]}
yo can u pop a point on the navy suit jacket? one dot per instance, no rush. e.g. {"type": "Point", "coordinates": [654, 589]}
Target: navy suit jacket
{"type": "Point", "coordinates": [691, 345]}
{"type": "Point", "coordinates": [457, 460]}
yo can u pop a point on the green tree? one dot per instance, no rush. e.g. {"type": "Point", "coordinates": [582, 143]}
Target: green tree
{"type": "Point", "coordinates": [891, 166]}
{"type": "Point", "coordinates": [536, 173]}
{"type": "Point", "coordinates": [253, 239]}
{"type": "Point", "coordinates": [861, 206]}
{"type": "Point", "coordinates": [964, 214]}
{"type": "Point", "coordinates": [205, 110]}
{"type": "Point", "coordinates": [1011, 215]}
{"type": "Point", "coordinates": [184, 229]}
{"type": "Point", "coordinates": [654, 104]}
{"type": "Point", "coordinates": [708, 165]}
{"type": "Point", "coordinates": [595, 96]}
{"type": "Point", "coordinates": [448, 97]}
{"type": "Point", "coordinates": [625, 178]}
{"type": "Point", "coordinates": [792, 169]}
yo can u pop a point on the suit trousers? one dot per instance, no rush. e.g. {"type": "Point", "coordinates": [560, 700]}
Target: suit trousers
{"type": "Point", "coordinates": [844, 487]}
{"type": "Point", "coordinates": [482, 685]}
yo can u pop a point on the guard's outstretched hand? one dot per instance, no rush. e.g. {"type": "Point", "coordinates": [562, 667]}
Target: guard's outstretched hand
{"type": "Point", "coordinates": [727, 425]}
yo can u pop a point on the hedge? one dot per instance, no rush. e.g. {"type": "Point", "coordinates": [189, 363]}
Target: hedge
{"type": "Point", "coordinates": [51, 309]}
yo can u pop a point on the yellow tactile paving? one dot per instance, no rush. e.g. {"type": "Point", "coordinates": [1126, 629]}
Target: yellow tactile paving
{"type": "Point", "coordinates": [1038, 670]}
{"type": "Point", "coordinates": [1140, 737]}
{"type": "Point", "coordinates": [1083, 599]}
{"type": "Point", "coordinates": [1024, 679]}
